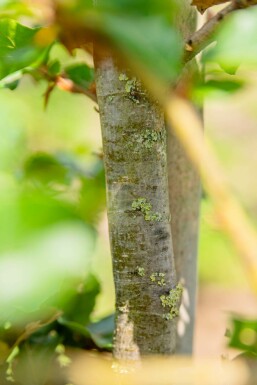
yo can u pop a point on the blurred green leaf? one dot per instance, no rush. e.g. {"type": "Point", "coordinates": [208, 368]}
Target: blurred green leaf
{"type": "Point", "coordinates": [80, 74]}
{"type": "Point", "coordinates": [149, 41]}
{"type": "Point", "coordinates": [75, 327]}
{"type": "Point", "coordinates": [45, 168]}
{"type": "Point", "coordinates": [142, 31]}
{"type": "Point", "coordinates": [93, 194]}
{"type": "Point", "coordinates": [236, 41]}
{"type": "Point", "coordinates": [104, 326]}
{"type": "Point", "coordinates": [99, 333]}
{"type": "Point", "coordinates": [22, 47]}
{"type": "Point", "coordinates": [54, 67]}
{"type": "Point", "coordinates": [102, 331]}
{"type": "Point", "coordinates": [129, 7]}
{"type": "Point", "coordinates": [43, 271]}
{"type": "Point", "coordinates": [137, 7]}
{"type": "Point", "coordinates": [216, 88]}
{"type": "Point", "coordinates": [14, 8]}
{"type": "Point", "coordinates": [227, 86]}
{"type": "Point", "coordinates": [23, 214]}
{"type": "Point", "coordinates": [244, 335]}
{"type": "Point", "coordinates": [82, 301]}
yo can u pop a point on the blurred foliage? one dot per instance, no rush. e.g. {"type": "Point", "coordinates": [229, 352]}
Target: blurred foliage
{"type": "Point", "coordinates": [243, 336]}
{"type": "Point", "coordinates": [19, 47]}
{"type": "Point", "coordinates": [236, 41]}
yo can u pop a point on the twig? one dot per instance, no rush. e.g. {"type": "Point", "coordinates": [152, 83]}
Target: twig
{"type": "Point", "coordinates": [204, 36]}
{"type": "Point", "coordinates": [67, 84]}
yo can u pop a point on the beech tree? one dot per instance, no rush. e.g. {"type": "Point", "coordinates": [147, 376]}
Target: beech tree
{"type": "Point", "coordinates": [144, 70]}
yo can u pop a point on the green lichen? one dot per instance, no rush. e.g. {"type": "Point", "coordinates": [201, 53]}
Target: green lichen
{"type": "Point", "coordinates": [161, 282]}
{"type": "Point", "coordinates": [153, 217]}
{"type": "Point", "coordinates": [158, 278]}
{"type": "Point", "coordinates": [140, 271]}
{"type": "Point", "coordinates": [145, 208]}
{"type": "Point", "coordinates": [123, 77]}
{"type": "Point", "coordinates": [150, 137]}
{"type": "Point", "coordinates": [172, 302]}
{"type": "Point", "coordinates": [131, 87]}
{"type": "Point", "coordinates": [110, 98]}
{"type": "Point", "coordinates": [145, 139]}
{"type": "Point", "coordinates": [153, 277]}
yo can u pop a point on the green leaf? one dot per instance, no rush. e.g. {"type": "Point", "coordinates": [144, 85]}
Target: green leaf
{"type": "Point", "coordinates": [24, 214]}
{"type": "Point", "coordinates": [236, 41]}
{"type": "Point", "coordinates": [42, 272]}
{"type": "Point", "coordinates": [137, 7]}
{"type": "Point", "coordinates": [82, 301]}
{"type": "Point", "coordinates": [93, 194]}
{"type": "Point", "coordinates": [54, 67]}
{"type": "Point", "coordinates": [18, 47]}
{"type": "Point", "coordinates": [216, 88]}
{"type": "Point", "coordinates": [80, 74]}
{"type": "Point", "coordinates": [45, 168]}
{"type": "Point", "coordinates": [14, 8]}
{"type": "Point", "coordinates": [102, 331]}
{"type": "Point", "coordinates": [75, 327]}
{"type": "Point", "coordinates": [244, 335]}
{"type": "Point", "coordinates": [149, 41]}
{"type": "Point", "coordinates": [129, 7]}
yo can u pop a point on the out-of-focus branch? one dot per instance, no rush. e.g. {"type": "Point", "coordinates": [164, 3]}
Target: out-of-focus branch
{"type": "Point", "coordinates": [204, 36]}
{"type": "Point", "coordinates": [188, 128]}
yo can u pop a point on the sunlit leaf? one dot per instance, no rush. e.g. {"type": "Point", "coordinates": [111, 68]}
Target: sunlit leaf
{"type": "Point", "coordinates": [19, 47]}
{"type": "Point", "coordinates": [43, 270]}
{"type": "Point", "coordinates": [236, 41]}
{"type": "Point", "coordinates": [23, 214]}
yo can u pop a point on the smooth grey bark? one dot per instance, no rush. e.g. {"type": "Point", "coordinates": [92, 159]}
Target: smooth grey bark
{"type": "Point", "coordinates": [134, 147]}
{"type": "Point", "coordinates": [184, 193]}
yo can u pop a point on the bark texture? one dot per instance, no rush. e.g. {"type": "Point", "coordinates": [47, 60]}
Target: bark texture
{"type": "Point", "coordinates": [184, 192]}
{"type": "Point", "coordinates": [134, 146]}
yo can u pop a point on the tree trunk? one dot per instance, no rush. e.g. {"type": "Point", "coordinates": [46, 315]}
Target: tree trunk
{"type": "Point", "coordinates": [134, 146]}
{"type": "Point", "coordinates": [184, 192]}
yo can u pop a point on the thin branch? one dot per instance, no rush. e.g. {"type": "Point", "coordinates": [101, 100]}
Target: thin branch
{"type": "Point", "coordinates": [67, 84]}
{"type": "Point", "coordinates": [204, 36]}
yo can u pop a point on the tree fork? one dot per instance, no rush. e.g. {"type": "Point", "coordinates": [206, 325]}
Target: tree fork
{"type": "Point", "coordinates": [134, 146]}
